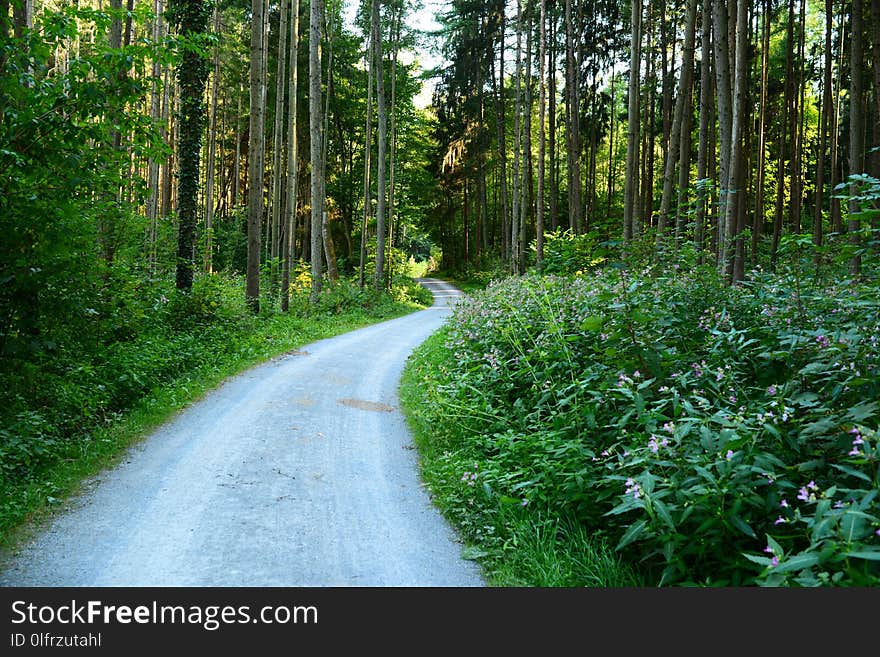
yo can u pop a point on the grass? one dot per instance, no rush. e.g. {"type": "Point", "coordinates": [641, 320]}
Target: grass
{"type": "Point", "coordinates": [693, 427]}
{"type": "Point", "coordinates": [514, 546]}
{"type": "Point", "coordinates": [27, 503]}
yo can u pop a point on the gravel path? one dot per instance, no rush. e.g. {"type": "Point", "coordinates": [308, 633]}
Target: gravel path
{"type": "Point", "coordinates": [299, 472]}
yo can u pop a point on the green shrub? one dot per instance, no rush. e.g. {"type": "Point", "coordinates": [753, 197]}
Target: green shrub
{"type": "Point", "coordinates": [568, 253]}
{"type": "Point", "coordinates": [716, 435]}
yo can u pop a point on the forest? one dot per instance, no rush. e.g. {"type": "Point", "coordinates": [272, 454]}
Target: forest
{"type": "Point", "coordinates": [667, 215]}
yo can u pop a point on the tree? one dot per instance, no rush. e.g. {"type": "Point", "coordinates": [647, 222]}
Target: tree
{"type": "Point", "coordinates": [316, 127]}
{"type": "Point", "coordinates": [379, 274]}
{"type": "Point", "coordinates": [255, 158]}
{"type": "Point", "coordinates": [292, 160]}
{"type": "Point", "coordinates": [856, 129]}
{"type": "Point", "coordinates": [631, 193]}
{"type": "Point", "coordinates": [542, 137]}
{"type": "Point", "coordinates": [191, 18]}
{"type": "Point", "coordinates": [572, 132]}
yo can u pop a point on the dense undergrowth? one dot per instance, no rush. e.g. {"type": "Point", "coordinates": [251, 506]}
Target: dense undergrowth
{"type": "Point", "coordinates": [649, 424]}
{"type": "Point", "coordinates": [80, 396]}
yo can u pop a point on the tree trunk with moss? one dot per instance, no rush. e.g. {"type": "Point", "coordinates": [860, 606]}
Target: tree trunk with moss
{"type": "Point", "coordinates": [191, 18]}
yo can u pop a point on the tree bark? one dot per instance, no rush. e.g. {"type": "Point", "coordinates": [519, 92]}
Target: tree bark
{"type": "Point", "coordinates": [572, 132]}
{"type": "Point", "coordinates": [687, 75]}
{"type": "Point", "coordinates": [517, 146]}
{"type": "Point", "coordinates": [208, 260]}
{"type": "Point", "coordinates": [630, 193]}
{"type": "Point", "coordinates": [192, 73]}
{"type": "Point", "coordinates": [825, 124]}
{"type": "Point", "coordinates": [278, 144]}
{"type": "Point", "coordinates": [379, 275]}
{"type": "Point", "coordinates": [738, 159]}
{"type": "Point", "coordinates": [326, 233]}
{"type": "Point", "coordinates": [856, 128]}
{"type": "Point", "coordinates": [542, 137]}
{"type": "Point", "coordinates": [255, 160]}
{"type": "Point", "coordinates": [292, 160]}
{"type": "Point", "coordinates": [674, 149]}
{"type": "Point", "coordinates": [368, 149]}
{"type": "Point", "coordinates": [316, 128]}
{"type": "Point", "coordinates": [700, 216]}
{"type": "Point", "coordinates": [724, 93]}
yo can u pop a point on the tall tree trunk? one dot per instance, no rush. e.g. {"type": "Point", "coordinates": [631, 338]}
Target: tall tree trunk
{"type": "Point", "coordinates": [368, 149]}
{"type": "Point", "coordinates": [738, 159]}
{"type": "Point", "coordinates": [572, 142]}
{"type": "Point", "coordinates": [674, 149]}
{"type": "Point", "coordinates": [724, 93]}
{"type": "Point", "coordinates": [836, 214]}
{"type": "Point", "coordinates": [630, 193]}
{"type": "Point", "coordinates": [517, 146]}
{"type": "Point", "coordinates": [502, 140]}
{"type": "Point", "coordinates": [874, 163]}
{"type": "Point", "coordinates": [551, 123]}
{"type": "Point", "coordinates": [856, 128]}
{"type": "Point", "coordinates": [758, 218]}
{"type": "Point", "coordinates": [316, 128]}
{"type": "Point", "coordinates": [528, 172]}
{"type": "Point", "coordinates": [687, 85]}
{"type": "Point", "coordinates": [796, 128]}
{"type": "Point", "coordinates": [648, 122]}
{"type": "Point", "coordinates": [824, 126]}
{"type": "Point", "coordinates": [542, 137]}
{"type": "Point", "coordinates": [278, 144]}
{"type": "Point", "coordinates": [785, 131]}
{"type": "Point", "coordinates": [611, 158]}
{"type": "Point", "coordinates": [379, 277]}
{"type": "Point", "coordinates": [700, 216]}
{"type": "Point", "coordinates": [167, 130]}
{"type": "Point", "coordinates": [255, 159]}
{"type": "Point", "coordinates": [153, 164]}
{"type": "Point", "coordinates": [396, 17]}
{"type": "Point", "coordinates": [192, 73]}
{"type": "Point", "coordinates": [292, 159]}
{"type": "Point", "coordinates": [208, 260]}
{"type": "Point", "coordinates": [326, 233]}
{"type": "Point", "coordinates": [236, 166]}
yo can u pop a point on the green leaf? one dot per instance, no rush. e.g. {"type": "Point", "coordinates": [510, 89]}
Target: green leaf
{"type": "Point", "coordinates": [799, 562]}
{"type": "Point", "coordinates": [853, 526]}
{"type": "Point", "coordinates": [762, 561]}
{"type": "Point", "coordinates": [593, 323]}
{"type": "Point", "coordinates": [663, 512]}
{"type": "Point", "coordinates": [741, 525]}
{"type": "Point", "coordinates": [873, 555]}
{"type": "Point", "coordinates": [862, 411]}
{"type": "Point", "coordinates": [852, 472]}
{"type": "Point", "coordinates": [635, 530]}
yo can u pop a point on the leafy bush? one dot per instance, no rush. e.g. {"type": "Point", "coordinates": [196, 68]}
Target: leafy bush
{"type": "Point", "coordinates": [716, 435]}
{"type": "Point", "coordinates": [568, 253]}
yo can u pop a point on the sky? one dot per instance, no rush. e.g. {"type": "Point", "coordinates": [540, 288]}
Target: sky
{"type": "Point", "coordinates": [422, 19]}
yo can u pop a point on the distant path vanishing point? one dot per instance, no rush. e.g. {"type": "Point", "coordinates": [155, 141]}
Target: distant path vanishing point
{"type": "Point", "coordinates": [298, 472]}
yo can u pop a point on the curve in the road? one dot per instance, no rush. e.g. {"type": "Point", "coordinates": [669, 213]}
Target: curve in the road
{"type": "Point", "coordinates": [299, 472]}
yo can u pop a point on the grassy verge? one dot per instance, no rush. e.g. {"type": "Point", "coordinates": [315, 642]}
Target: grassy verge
{"type": "Point", "coordinates": [515, 545]}
{"type": "Point", "coordinates": [198, 359]}
{"type": "Point", "coordinates": [709, 435]}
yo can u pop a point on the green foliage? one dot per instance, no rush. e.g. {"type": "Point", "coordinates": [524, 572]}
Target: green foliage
{"type": "Point", "coordinates": [714, 435]}
{"type": "Point", "coordinates": [568, 253]}
{"type": "Point", "coordinates": [60, 175]}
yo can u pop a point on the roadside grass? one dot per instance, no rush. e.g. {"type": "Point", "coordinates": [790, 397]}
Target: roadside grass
{"type": "Point", "coordinates": [514, 544]}
{"type": "Point", "coordinates": [29, 497]}
{"type": "Point", "coordinates": [710, 435]}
